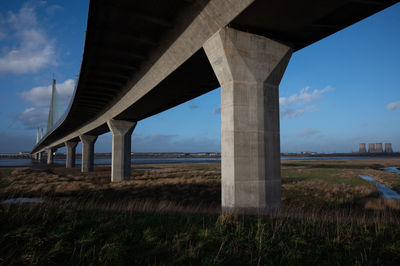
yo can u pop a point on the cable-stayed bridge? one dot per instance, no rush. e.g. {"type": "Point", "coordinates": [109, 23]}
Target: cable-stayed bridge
{"type": "Point", "coordinates": [144, 57]}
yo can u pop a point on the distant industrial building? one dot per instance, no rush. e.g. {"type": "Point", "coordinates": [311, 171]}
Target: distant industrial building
{"type": "Point", "coordinates": [371, 147]}
{"type": "Point", "coordinates": [388, 147]}
{"type": "Point", "coordinates": [378, 147]}
{"type": "Point", "coordinates": [362, 148]}
{"type": "Point", "coordinates": [375, 148]}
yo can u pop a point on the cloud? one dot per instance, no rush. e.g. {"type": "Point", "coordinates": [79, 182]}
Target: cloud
{"type": "Point", "coordinates": [32, 50]}
{"type": "Point", "coordinates": [33, 117]}
{"type": "Point", "coordinates": [173, 143]}
{"type": "Point", "coordinates": [292, 113]}
{"type": "Point", "coordinates": [51, 10]}
{"type": "Point", "coordinates": [216, 111]}
{"type": "Point", "coordinates": [41, 96]}
{"type": "Point", "coordinates": [393, 106]}
{"type": "Point", "coordinates": [299, 103]}
{"type": "Point", "coordinates": [193, 105]}
{"type": "Point", "coordinates": [307, 132]}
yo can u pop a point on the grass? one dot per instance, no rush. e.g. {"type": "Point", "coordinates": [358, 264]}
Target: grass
{"type": "Point", "coordinates": [54, 235]}
{"type": "Point", "coordinates": [4, 173]}
{"type": "Point", "coordinates": [169, 215]}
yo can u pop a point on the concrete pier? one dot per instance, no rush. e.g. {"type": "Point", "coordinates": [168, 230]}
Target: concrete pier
{"type": "Point", "coordinates": [121, 149]}
{"type": "Point", "coordinates": [249, 69]}
{"type": "Point", "coordinates": [40, 156]}
{"type": "Point", "coordinates": [50, 156]}
{"type": "Point", "coordinates": [371, 147]}
{"type": "Point", "coordinates": [71, 153]}
{"type": "Point", "coordinates": [388, 147]}
{"type": "Point", "coordinates": [378, 147]}
{"type": "Point", "coordinates": [362, 148]}
{"type": "Point", "coordinates": [87, 152]}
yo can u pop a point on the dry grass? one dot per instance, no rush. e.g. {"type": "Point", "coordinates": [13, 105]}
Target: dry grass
{"type": "Point", "coordinates": [196, 187]}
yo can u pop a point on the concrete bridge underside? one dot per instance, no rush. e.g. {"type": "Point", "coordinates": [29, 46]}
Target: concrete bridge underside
{"type": "Point", "coordinates": [144, 57]}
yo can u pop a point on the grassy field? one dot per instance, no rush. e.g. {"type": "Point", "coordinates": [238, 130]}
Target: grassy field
{"type": "Point", "coordinates": [169, 215]}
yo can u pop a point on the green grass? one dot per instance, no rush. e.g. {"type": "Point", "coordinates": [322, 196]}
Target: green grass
{"type": "Point", "coordinates": [45, 235]}
{"type": "Point", "coordinates": [3, 174]}
{"type": "Point", "coordinates": [328, 175]}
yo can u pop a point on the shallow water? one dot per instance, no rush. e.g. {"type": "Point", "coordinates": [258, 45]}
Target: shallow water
{"type": "Point", "coordinates": [384, 191]}
{"type": "Point", "coordinates": [392, 169]}
{"type": "Point", "coordinates": [16, 162]}
{"type": "Point", "coordinates": [22, 200]}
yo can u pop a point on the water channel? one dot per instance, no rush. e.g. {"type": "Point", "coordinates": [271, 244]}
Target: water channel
{"type": "Point", "coordinates": [384, 191]}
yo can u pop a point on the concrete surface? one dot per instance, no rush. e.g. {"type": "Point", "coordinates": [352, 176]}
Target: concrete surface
{"type": "Point", "coordinates": [371, 147]}
{"type": "Point", "coordinates": [71, 153]}
{"type": "Point", "coordinates": [388, 147]}
{"type": "Point", "coordinates": [50, 156]}
{"type": "Point", "coordinates": [87, 152]}
{"type": "Point", "coordinates": [121, 149]}
{"type": "Point", "coordinates": [378, 147]}
{"type": "Point", "coordinates": [249, 69]}
{"type": "Point", "coordinates": [362, 148]}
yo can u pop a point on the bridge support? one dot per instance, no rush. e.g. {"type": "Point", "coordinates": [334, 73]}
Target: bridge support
{"type": "Point", "coordinates": [71, 152]}
{"type": "Point", "coordinates": [50, 156]}
{"type": "Point", "coordinates": [121, 149]}
{"type": "Point", "coordinates": [249, 69]}
{"type": "Point", "coordinates": [87, 152]}
{"type": "Point", "coordinates": [40, 156]}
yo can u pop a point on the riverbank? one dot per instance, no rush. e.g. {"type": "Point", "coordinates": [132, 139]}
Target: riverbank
{"type": "Point", "coordinates": [169, 214]}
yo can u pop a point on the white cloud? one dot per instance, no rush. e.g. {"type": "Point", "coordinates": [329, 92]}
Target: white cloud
{"type": "Point", "coordinates": [33, 117]}
{"type": "Point", "coordinates": [287, 112]}
{"type": "Point", "coordinates": [40, 96]}
{"type": "Point", "coordinates": [393, 106]}
{"type": "Point", "coordinates": [193, 105]}
{"type": "Point", "coordinates": [216, 111]}
{"type": "Point", "coordinates": [174, 143]}
{"type": "Point", "coordinates": [298, 104]}
{"type": "Point", "coordinates": [32, 48]}
{"type": "Point", "coordinates": [307, 132]}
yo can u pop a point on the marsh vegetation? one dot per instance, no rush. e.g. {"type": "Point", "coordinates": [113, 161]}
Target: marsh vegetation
{"type": "Point", "coordinates": [170, 214]}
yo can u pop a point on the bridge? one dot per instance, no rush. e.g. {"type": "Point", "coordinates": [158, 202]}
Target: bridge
{"type": "Point", "coordinates": [144, 57]}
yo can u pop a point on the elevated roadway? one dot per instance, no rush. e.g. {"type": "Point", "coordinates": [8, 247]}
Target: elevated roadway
{"type": "Point", "coordinates": [144, 57]}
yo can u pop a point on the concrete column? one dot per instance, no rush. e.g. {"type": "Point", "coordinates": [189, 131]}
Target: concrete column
{"type": "Point", "coordinates": [50, 156]}
{"type": "Point", "coordinates": [249, 69]}
{"type": "Point", "coordinates": [121, 149]}
{"type": "Point", "coordinates": [71, 152]}
{"type": "Point", "coordinates": [87, 152]}
{"type": "Point", "coordinates": [40, 156]}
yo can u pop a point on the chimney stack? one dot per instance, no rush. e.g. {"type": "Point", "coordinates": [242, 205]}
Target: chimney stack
{"type": "Point", "coordinates": [362, 148]}
{"type": "Point", "coordinates": [378, 147]}
{"type": "Point", "coordinates": [371, 148]}
{"type": "Point", "coordinates": [388, 147]}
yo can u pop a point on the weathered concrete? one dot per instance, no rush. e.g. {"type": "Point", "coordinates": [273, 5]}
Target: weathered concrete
{"type": "Point", "coordinates": [362, 148]}
{"type": "Point", "coordinates": [371, 147]}
{"type": "Point", "coordinates": [50, 156]}
{"type": "Point", "coordinates": [121, 149]}
{"type": "Point", "coordinates": [388, 147]}
{"type": "Point", "coordinates": [87, 152]}
{"type": "Point", "coordinates": [40, 156]}
{"type": "Point", "coordinates": [71, 153]}
{"type": "Point", "coordinates": [249, 69]}
{"type": "Point", "coordinates": [378, 147]}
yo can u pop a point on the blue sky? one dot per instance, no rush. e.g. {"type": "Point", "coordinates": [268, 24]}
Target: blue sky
{"type": "Point", "coordinates": [336, 93]}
